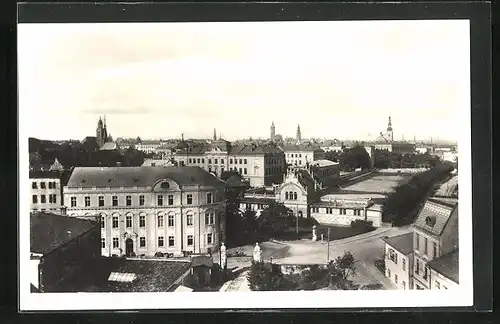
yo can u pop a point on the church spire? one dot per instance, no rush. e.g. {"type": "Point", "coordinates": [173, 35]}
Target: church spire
{"type": "Point", "coordinates": [299, 135]}
{"type": "Point", "coordinates": [389, 125]}
{"type": "Point", "coordinates": [215, 135]}
{"type": "Point", "coordinates": [273, 132]}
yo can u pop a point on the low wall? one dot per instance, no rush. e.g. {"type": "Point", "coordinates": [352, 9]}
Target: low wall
{"type": "Point", "coordinates": [345, 220]}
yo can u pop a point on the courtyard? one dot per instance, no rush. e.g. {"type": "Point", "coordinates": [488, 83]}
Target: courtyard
{"type": "Point", "coordinates": [379, 184]}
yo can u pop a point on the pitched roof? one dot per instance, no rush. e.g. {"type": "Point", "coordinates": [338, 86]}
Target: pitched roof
{"type": "Point", "coordinates": [50, 231]}
{"type": "Point", "coordinates": [434, 216]}
{"type": "Point", "coordinates": [45, 174]}
{"type": "Point", "coordinates": [447, 265]}
{"type": "Point", "coordinates": [250, 149]}
{"type": "Point", "coordinates": [323, 163]}
{"type": "Point", "coordinates": [402, 243]}
{"type": "Point", "coordinates": [109, 146]}
{"type": "Point", "coordinates": [144, 176]}
{"type": "Point", "coordinates": [302, 147]}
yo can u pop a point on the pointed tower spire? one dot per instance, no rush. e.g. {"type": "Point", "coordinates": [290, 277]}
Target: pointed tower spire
{"type": "Point", "coordinates": [215, 135]}
{"type": "Point", "coordinates": [299, 135]}
{"type": "Point", "coordinates": [104, 120]}
{"type": "Point", "coordinates": [273, 131]}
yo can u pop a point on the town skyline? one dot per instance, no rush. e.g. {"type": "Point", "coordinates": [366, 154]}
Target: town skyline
{"type": "Point", "coordinates": [204, 76]}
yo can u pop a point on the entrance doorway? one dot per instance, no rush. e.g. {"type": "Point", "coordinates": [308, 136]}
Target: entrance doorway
{"type": "Point", "coordinates": [129, 247]}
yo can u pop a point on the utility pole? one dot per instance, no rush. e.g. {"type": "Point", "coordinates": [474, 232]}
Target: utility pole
{"type": "Point", "coordinates": [328, 247]}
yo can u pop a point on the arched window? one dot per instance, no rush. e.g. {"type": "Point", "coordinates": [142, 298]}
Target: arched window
{"type": "Point", "coordinates": [286, 195]}
{"type": "Point", "coordinates": [294, 196]}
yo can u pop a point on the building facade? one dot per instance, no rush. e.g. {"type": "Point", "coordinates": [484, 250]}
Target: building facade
{"type": "Point", "coordinates": [301, 155]}
{"type": "Point", "coordinates": [150, 210]}
{"type": "Point", "coordinates": [399, 260]}
{"type": "Point", "coordinates": [261, 165]}
{"type": "Point", "coordinates": [46, 191]}
{"type": "Point", "coordinates": [434, 247]}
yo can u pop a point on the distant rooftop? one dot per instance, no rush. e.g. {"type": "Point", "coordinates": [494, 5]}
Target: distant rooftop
{"type": "Point", "coordinates": [323, 163]}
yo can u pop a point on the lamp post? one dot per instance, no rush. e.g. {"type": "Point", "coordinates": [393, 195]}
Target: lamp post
{"type": "Point", "coordinates": [328, 247]}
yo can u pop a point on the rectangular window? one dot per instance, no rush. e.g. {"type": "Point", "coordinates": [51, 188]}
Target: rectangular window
{"type": "Point", "coordinates": [248, 207]}
{"type": "Point", "coordinates": [198, 161]}
{"type": "Point", "coordinates": [209, 238]}
{"type": "Point", "coordinates": [101, 201]}
{"type": "Point", "coordinates": [103, 222]}
{"type": "Point", "coordinates": [103, 243]}
{"type": "Point", "coordinates": [396, 278]}
{"type": "Point", "coordinates": [87, 201]}
{"type": "Point", "coordinates": [189, 199]}
{"type": "Point", "coordinates": [170, 200]}
{"type": "Point", "coordinates": [42, 185]}
{"type": "Point", "coordinates": [209, 218]}
{"type": "Point", "coordinates": [245, 171]}
{"type": "Point", "coordinates": [128, 221]}
{"type": "Point", "coordinates": [190, 240]}
{"type": "Point", "coordinates": [245, 161]}
{"type": "Point", "coordinates": [189, 220]}
{"type": "Point", "coordinates": [142, 241]}
{"type": "Point", "coordinates": [35, 199]}
{"type": "Point", "coordinates": [160, 220]}
{"type": "Point", "coordinates": [160, 241]}
{"type": "Point", "coordinates": [190, 161]}
{"type": "Point", "coordinates": [215, 161]}
{"type": "Point", "coordinates": [116, 243]}
{"type": "Point", "coordinates": [210, 161]}
{"type": "Point", "coordinates": [160, 200]}
{"type": "Point", "coordinates": [434, 250]}
{"type": "Point", "coordinates": [73, 201]}
{"type": "Point", "coordinates": [33, 185]}
{"type": "Point", "coordinates": [404, 284]}
{"type": "Point", "coordinates": [50, 185]}
{"type": "Point", "coordinates": [171, 220]}
{"type": "Point", "coordinates": [241, 171]}
{"type": "Point", "coordinates": [425, 245]}
{"type": "Point", "coordinates": [404, 264]}
{"type": "Point", "coordinates": [128, 200]}
{"type": "Point", "coordinates": [115, 200]}
{"type": "Point", "coordinates": [417, 267]}
{"type": "Point", "coordinates": [141, 200]}
{"type": "Point", "coordinates": [43, 199]}
{"type": "Point", "coordinates": [241, 161]}
{"type": "Point", "coordinates": [221, 161]}
{"type": "Point", "coordinates": [209, 198]}
{"type": "Point", "coordinates": [142, 221]}
{"type": "Point", "coordinates": [230, 162]}
{"type": "Point", "coordinates": [171, 241]}
{"type": "Point", "coordinates": [202, 160]}
{"type": "Point", "coordinates": [115, 221]}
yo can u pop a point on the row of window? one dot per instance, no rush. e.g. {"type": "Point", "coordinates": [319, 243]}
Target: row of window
{"type": "Point", "coordinates": [394, 257]}
{"type": "Point", "coordinates": [395, 278]}
{"type": "Point", "coordinates": [290, 195]}
{"type": "Point", "coordinates": [209, 220]}
{"type": "Point", "coordinates": [43, 199]}
{"type": "Point", "coordinates": [52, 185]}
{"type": "Point", "coordinates": [128, 200]}
{"type": "Point", "coordinates": [160, 242]}
{"type": "Point", "coordinates": [294, 155]}
{"type": "Point", "coordinates": [259, 206]}
{"type": "Point", "coordinates": [426, 244]}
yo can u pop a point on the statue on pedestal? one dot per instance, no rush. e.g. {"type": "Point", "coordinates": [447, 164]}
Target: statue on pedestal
{"type": "Point", "coordinates": [256, 253]}
{"type": "Point", "coordinates": [314, 234]}
{"type": "Point", "coordinates": [223, 256]}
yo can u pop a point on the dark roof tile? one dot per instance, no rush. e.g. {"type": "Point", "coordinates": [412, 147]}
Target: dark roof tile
{"type": "Point", "coordinates": [434, 216]}
{"type": "Point", "coordinates": [50, 231]}
{"type": "Point", "coordinates": [402, 243]}
{"type": "Point", "coordinates": [447, 265]}
{"type": "Point", "coordinates": [87, 177]}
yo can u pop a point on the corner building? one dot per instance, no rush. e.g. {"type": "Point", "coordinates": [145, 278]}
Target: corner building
{"type": "Point", "coordinates": [144, 210]}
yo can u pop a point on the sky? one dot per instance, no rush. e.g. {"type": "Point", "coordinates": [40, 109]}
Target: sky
{"type": "Point", "coordinates": [158, 80]}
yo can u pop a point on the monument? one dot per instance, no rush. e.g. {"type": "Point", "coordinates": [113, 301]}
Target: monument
{"type": "Point", "coordinates": [314, 234]}
{"type": "Point", "coordinates": [223, 256]}
{"type": "Point", "coordinates": [256, 253]}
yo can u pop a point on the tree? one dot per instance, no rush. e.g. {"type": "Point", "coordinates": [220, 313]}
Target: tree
{"type": "Point", "coordinates": [340, 270]}
{"type": "Point", "coordinates": [265, 276]}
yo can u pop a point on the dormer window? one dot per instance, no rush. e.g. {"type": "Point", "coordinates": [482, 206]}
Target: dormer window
{"type": "Point", "coordinates": [430, 221]}
{"type": "Point", "coordinates": [165, 185]}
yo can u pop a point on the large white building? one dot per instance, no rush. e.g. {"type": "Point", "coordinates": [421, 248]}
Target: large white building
{"type": "Point", "coordinates": [146, 210]}
{"type": "Point", "coordinates": [261, 165]}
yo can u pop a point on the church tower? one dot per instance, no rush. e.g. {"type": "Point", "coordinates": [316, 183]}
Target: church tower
{"type": "Point", "coordinates": [273, 132]}
{"type": "Point", "coordinates": [105, 132]}
{"type": "Point", "coordinates": [299, 135]}
{"type": "Point", "coordinates": [390, 133]}
{"type": "Point", "coordinates": [215, 135]}
{"type": "Point", "coordinates": [99, 133]}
